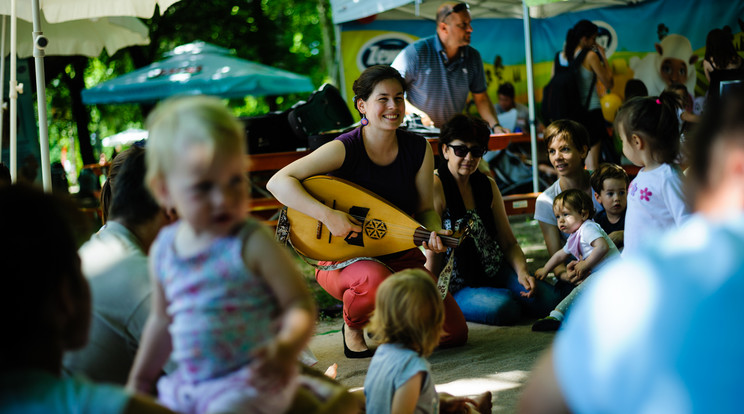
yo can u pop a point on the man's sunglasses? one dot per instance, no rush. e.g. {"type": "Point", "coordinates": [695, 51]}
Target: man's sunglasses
{"type": "Point", "coordinates": [462, 151]}
{"type": "Point", "coordinates": [457, 8]}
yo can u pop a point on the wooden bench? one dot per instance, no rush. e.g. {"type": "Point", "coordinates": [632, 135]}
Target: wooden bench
{"type": "Point", "coordinates": [520, 203]}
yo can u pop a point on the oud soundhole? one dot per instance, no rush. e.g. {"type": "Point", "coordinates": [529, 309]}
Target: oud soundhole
{"type": "Point", "coordinates": [375, 229]}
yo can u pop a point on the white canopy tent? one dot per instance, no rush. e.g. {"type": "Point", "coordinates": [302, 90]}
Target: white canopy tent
{"type": "Point", "coordinates": [55, 11]}
{"type": "Point", "coordinates": [351, 10]}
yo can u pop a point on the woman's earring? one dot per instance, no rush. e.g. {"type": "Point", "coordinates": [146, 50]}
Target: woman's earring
{"type": "Point", "coordinates": [364, 120]}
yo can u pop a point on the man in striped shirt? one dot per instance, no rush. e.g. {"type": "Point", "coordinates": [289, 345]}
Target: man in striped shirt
{"type": "Point", "coordinates": [440, 70]}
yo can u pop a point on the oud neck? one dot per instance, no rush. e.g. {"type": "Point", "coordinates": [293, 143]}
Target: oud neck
{"type": "Point", "coordinates": [421, 235]}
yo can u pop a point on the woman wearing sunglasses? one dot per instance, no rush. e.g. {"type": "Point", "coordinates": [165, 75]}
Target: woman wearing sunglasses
{"type": "Point", "coordinates": [489, 278]}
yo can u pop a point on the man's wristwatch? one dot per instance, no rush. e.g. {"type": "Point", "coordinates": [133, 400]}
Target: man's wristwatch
{"type": "Point", "coordinates": [494, 126]}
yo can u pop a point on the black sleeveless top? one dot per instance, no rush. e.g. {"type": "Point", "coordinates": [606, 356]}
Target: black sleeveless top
{"type": "Point", "coordinates": [478, 257]}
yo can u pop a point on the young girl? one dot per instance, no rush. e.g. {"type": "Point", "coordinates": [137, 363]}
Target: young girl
{"type": "Point", "coordinates": [650, 135]}
{"type": "Point", "coordinates": [568, 144]}
{"type": "Point", "coordinates": [228, 304]}
{"type": "Point", "coordinates": [588, 243]}
{"type": "Point", "coordinates": [407, 322]}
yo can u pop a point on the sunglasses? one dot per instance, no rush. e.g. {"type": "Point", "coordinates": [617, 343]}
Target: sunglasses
{"type": "Point", "coordinates": [457, 8]}
{"type": "Point", "coordinates": [462, 151]}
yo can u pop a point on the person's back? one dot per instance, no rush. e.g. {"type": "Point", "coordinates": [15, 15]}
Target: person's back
{"type": "Point", "coordinates": [114, 260]}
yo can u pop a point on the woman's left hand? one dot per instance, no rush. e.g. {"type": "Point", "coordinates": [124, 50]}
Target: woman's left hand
{"type": "Point", "coordinates": [435, 243]}
{"type": "Point", "coordinates": [528, 282]}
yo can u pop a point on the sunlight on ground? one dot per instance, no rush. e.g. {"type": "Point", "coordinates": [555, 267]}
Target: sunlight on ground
{"type": "Point", "coordinates": [494, 383]}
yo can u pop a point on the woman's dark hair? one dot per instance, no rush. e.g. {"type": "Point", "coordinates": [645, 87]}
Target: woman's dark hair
{"type": "Point", "coordinates": [684, 100]}
{"type": "Point", "coordinates": [653, 118]}
{"type": "Point", "coordinates": [571, 131]}
{"type": "Point", "coordinates": [577, 200]}
{"type": "Point", "coordinates": [131, 200]}
{"type": "Point", "coordinates": [366, 82]}
{"type": "Point", "coordinates": [107, 189]}
{"type": "Point", "coordinates": [584, 28]}
{"type": "Point", "coordinates": [722, 122]}
{"type": "Point", "coordinates": [719, 48]}
{"type": "Point", "coordinates": [467, 129]}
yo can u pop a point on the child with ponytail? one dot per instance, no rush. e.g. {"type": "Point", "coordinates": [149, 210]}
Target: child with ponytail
{"type": "Point", "coordinates": [649, 130]}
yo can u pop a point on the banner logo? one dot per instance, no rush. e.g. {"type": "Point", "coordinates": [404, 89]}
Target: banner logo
{"type": "Point", "coordinates": [381, 50]}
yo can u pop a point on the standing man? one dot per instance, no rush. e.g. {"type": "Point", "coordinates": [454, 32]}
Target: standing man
{"type": "Point", "coordinates": [440, 70]}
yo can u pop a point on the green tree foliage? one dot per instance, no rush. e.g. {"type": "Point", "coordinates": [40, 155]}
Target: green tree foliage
{"type": "Point", "coordinates": [287, 34]}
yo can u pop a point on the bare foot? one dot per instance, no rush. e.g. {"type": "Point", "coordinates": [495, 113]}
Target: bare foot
{"type": "Point", "coordinates": [483, 403]}
{"type": "Point", "coordinates": [355, 339]}
{"type": "Point", "coordinates": [332, 371]}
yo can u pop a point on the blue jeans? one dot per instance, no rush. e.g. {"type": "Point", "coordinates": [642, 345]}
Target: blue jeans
{"type": "Point", "coordinates": [505, 306]}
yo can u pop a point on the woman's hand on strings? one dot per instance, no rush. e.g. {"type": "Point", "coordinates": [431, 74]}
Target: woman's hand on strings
{"type": "Point", "coordinates": [340, 224]}
{"type": "Point", "coordinates": [435, 243]}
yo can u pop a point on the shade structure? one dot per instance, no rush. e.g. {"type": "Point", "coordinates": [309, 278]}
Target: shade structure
{"type": "Point", "coordinates": [56, 11]}
{"type": "Point", "coordinates": [86, 37]}
{"type": "Point", "coordinates": [197, 68]}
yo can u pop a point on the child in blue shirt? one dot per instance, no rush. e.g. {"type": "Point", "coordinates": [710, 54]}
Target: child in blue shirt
{"type": "Point", "coordinates": [610, 185]}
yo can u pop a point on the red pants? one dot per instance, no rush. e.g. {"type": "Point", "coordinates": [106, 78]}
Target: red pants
{"type": "Point", "coordinates": [355, 285]}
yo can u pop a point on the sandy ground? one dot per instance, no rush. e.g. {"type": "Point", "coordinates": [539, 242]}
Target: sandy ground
{"type": "Point", "coordinates": [496, 358]}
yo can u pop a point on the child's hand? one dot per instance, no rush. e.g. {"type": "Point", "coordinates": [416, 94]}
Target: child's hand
{"type": "Point", "coordinates": [617, 237]}
{"type": "Point", "coordinates": [540, 273]}
{"type": "Point", "coordinates": [582, 271]}
{"type": "Point", "coordinates": [274, 365]}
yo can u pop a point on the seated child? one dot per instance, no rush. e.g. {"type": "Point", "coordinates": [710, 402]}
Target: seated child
{"type": "Point", "coordinates": [610, 184]}
{"type": "Point", "coordinates": [588, 243]}
{"type": "Point", "coordinates": [407, 322]}
{"type": "Point", "coordinates": [47, 307]}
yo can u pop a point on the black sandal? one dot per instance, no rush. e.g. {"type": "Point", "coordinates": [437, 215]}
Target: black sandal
{"type": "Point", "coordinates": [367, 353]}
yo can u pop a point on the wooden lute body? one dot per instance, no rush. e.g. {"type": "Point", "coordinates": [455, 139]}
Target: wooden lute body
{"type": "Point", "coordinates": [385, 228]}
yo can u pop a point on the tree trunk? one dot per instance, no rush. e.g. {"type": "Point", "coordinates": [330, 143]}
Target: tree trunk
{"type": "Point", "coordinates": [80, 113]}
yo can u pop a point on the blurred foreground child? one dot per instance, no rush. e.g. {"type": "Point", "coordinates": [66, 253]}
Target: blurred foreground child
{"type": "Point", "coordinates": [229, 305]}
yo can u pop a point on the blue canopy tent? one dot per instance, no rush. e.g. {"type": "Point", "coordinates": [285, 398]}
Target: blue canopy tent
{"type": "Point", "coordinates": [197, 68]}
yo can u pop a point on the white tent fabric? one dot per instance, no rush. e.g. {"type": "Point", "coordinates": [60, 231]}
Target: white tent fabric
{"type": "Point", "coordinates": [86, 37]}
{"type": "Point", "coordinates": [56, 11]}
{"type": "Point", "coordinates": [350, 10]}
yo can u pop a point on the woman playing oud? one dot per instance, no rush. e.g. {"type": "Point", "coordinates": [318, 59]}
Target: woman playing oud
{"type": "Point", "coordinates": [394, 164]}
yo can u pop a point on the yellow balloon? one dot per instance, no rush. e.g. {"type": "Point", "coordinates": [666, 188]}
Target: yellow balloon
{"type": "Point", "coordinates": [610, 104]}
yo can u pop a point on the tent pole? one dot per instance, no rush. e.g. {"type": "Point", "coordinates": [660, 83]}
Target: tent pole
{"type": "Point", "coordinates": [340, 59]}
{"type": "Point", "coordinates": [13, 94]}
{"type": "Point", "coordinates": [2, 82]}
{"type": "Point", "coordinates": [40, 43]}
{"type": "Point", "coordinates": [530, 93]}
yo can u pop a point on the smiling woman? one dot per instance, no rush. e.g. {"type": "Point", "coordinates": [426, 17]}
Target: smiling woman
{"type": "Point", "coordinates": [391, 163]}
{"type": "Point", "coordinates": [489, 281]}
